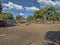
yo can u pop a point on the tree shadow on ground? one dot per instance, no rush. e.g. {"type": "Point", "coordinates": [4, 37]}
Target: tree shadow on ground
{"type": "Point", "coordinates": [53, 36]}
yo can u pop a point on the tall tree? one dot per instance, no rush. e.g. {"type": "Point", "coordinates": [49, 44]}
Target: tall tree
{"type": "Point", "coordinates": [41, 14]}
{"type": "Point", "coordinates": [0, 7]}
{"type": "Point", "coordinates": [45, 13]}
{"type": "Point", "coordinates": [6, 16]}
{"type": "Point", "coordinates": [51, 11]}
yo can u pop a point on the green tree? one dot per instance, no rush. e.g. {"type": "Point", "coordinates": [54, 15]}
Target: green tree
{"type": "Point", "coordinates": [6, 16]}
{"type": "Point", "coordinates": [40, 14]}
{"type": "Point", "coordinates": [37, 14]}
{"type": "Point", "coordinates": [0, 7]}
{"type": "Point", "coordinates": [51, 10]}
{"type": "Point", "coordinates": [19, 17]}
{"type": "Point", "coordinates": [45, 13]}
{"type": "Point", "coordinates": [30, 18]}
{"type": "Point", "coordinates": [53, 15]}
{"type": "Point", "coordinates": [58, 16]}
{"type": "Point", "coordinates": [53, 18]}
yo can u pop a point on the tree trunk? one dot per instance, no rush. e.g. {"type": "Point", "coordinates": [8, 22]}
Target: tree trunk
{"type": "Point", "coordinates": [45, 19]}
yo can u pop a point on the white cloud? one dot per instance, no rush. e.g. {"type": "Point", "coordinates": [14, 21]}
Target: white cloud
{"type": "Point", "coordinates": [4, 8]}
{"type": "Point", "coordinates": [11, 5]}
{"type": "Point", "coordinates": [21, 14]}
{"type": "Point", "coordinates": [33, 8]}
{"type": "Point", "coordinates": [49, 2]}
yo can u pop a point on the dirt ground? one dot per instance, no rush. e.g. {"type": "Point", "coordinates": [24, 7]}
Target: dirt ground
{"type": "Point", "coordinates": [26, 35]}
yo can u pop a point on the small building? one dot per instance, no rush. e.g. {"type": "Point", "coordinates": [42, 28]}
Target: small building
{"type": "Point", "coordinates": [23, 21]}
{"type": "Point", "coordinates": [7, 22]}
{"type": "Point", "coordinates": [10, 22]}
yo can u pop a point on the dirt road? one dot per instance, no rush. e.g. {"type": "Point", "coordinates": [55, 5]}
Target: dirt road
{"type": "Point", "coordinates": [26, 35]}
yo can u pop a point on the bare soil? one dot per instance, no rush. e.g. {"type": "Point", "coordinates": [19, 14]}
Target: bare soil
{"type": "Point", "coordinates": [26, 35]}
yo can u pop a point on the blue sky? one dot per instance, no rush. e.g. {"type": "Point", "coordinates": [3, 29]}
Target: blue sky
{"type": "Point", "coordinates": [27, 7]}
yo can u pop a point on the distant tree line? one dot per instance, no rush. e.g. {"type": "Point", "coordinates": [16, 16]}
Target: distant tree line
{"type": "Point", "coordinates": [45, 14]}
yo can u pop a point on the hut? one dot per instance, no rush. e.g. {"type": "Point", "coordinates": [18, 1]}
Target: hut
{"type": "Point", "coordinates": [7, 22]}
{"type": "Point", "coordinates": [10, 22]}
{"type": "Point", "coordinates": [23, 21]}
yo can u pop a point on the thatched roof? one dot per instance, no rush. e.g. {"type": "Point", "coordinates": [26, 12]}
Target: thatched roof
{"type": "Point", "coordinates": [23, 21]}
